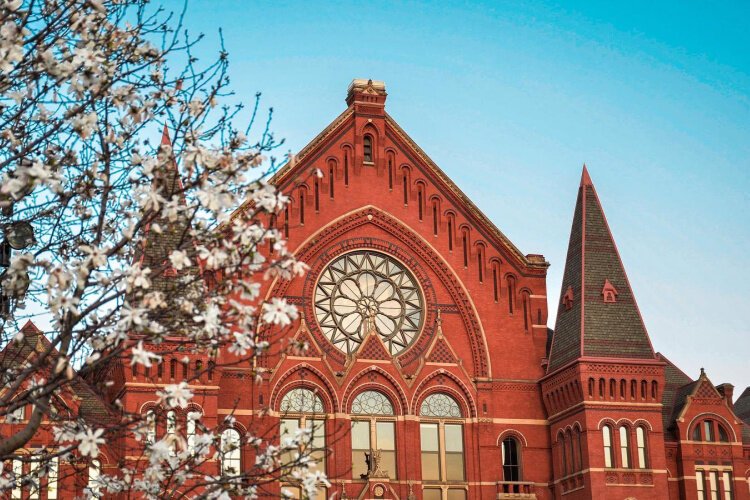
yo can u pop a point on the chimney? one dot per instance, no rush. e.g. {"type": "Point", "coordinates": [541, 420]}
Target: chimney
{"type": "Point", "coordinates": [367, 96]}
{"type": "Point", "coordinates": [727, 392]}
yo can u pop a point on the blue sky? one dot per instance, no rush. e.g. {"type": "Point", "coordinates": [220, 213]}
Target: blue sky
{"type": "Point", "coordinates": [511, 98]}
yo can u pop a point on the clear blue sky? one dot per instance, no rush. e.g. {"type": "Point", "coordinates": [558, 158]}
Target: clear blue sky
{"type": "Point", "coordinates": [511, 98]}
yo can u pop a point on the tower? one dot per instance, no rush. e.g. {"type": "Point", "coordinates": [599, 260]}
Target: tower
{"type": "Point", "coordinates": [604, 382]}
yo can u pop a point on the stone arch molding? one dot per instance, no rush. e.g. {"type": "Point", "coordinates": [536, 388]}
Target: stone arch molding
{"type": "Point", "coordinates": [321, 247]}
{"type": "Point", "coordinates": [461, 393]}
{"type": "Point", "coordinates": [383, 382]}
{"type": "Point", "coordinates": [317, 381]}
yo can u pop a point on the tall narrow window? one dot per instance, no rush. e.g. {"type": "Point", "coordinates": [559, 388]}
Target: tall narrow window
{"type": "Point", "coordinates": [442, 440]}
{"type": "Point", "coordinates": [373, 428]}
{"type": "Point", "coordinates": [601, 387]}
{"type": "Point", "coordinates": [390, 172]}
{"type": "Point", "coordinates": [94, 486]}
{"type": "Point", "coordinates": [286, 221]}
{"type": "Point", "coordinates": [172, 368]}
{"type": "Point", "coordinates": [450, 233]}
{"type": "Point", "coordinates": [571, 451]}
{"type": "Point", "coordinates": [624, 447]}
{"type": "Point", "coordinates": [316, 193]}
{"type": "Point", "coordinates": [700, 484]}
{"type": "Point", "coordinates": [633, 388]}
{"type": "Point", "coordinates": [368, 149]}
{"type": "Point", "coordinates": [592, 385]}
{"type": "Point", "coordinates": [330, 179]}
{"type": "Point", "coordinates": [480, 264]}
{"type": "Point", "coordinates": [708, 430]}
{"type": "Point", "coordinates": [172, 431]}
{"type": "Point", "coordinates": [607, 437]}
{"type": "Point", "coordinates": [564, 454]}
{"type": "Point", "coordinates": [434, 218]}
{"type": "Point", "coordinates": [302, 207]}
{"type": "Point", "coordinates": [654, 391]}
{"type": "Point", "coordinates": [726, 479]}
{"type": "Point", "coordinates": [644, 385]}
{"type": "Point", "coordinates": [36, 481]}
{"type": "Point", "coordinates": [495, 284]}
{"type": "Point", "coordinates": [640, 437]}
{"type": "Point", "coordinates": [465, 240]}
{"type": "Point", "coordinates": [579, 449]}
{"type": "Point", "coordinates": [229, 453]}
{"type": "Point", "coordinates": [511, 293]}
{"type": "Point", "coordinates": [406, 190]}
{"type": "Point", "coordinates": [511, 460]}
{"type": "Point", "coordinates": [271, 226]}
{"type": "Point", "coordinates": [526, 311]}
{"type": "Point", "coordinates": [190, 430]}
{"type": "Point", "coordinates": [52, 476]}
{"type": "Point", "coordinates": [346, 167]}
{"type": "Point", "coordinates": [16, 492]}
{"type": "Point", "coordinates": [420, 202]}
{"type": "Point", "coordinates": [303, 409]}
{"type": "Point", "coordinates": [150, 427]}
{"type": "Point", "coordinates": [713, 484]}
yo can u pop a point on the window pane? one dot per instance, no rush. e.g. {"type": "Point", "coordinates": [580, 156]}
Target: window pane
{"type": "Point", "coordinates": [699, 484]}
{"type": "Point", "coordinates": [360, 446]}
{"type": "Point", "coordinates": [430, 466]}
{"type": "Point", "coordinates": [386, 439]}
{"type": "Point", "coordinates": [456, 494]}
{"type": "Point", "coordinates": [432, 494]}
{"type": "Point", "coordinates": [440, 405]}
{"type": "Point", "coordinates": [388, 463]}
{"type": "Point", "coordinates": [708, 430]}
{"type": "Point", "coordinates": [318, 433]}
{"type": "Point", "coordinates": [624, 444]}
{"type": "Point", "coordinates": [372, 403]}
{"type": "Point", "coordinates": [454, 466]}
{"type": "Point", "coordinates": [713, 482]}
{"type": "Point", "coordinates": [301, 401]}
{"type": "Point", "coordinates": [319, 460]}
{"type": "Point", "coordinates": [454, 440]}
{"type": "Point", "coordinates": [429, 437]}
{"type": "Point", "coordinates": [726, 478]}
{"type": "Point", "coordinates": [52, 478]}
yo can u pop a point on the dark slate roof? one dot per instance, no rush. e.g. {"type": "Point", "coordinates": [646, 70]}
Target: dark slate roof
{"type": "Point", "coordinates": [153, 248]}
{"type": "Point", "coordinates": [676, 389]}
{"type": "Point", "coordinates": [592, 327]}
{"type": "Point", "coordinates": [742, 406]}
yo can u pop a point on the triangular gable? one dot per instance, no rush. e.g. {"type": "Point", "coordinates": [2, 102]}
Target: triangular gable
{"type": "Point", "coordinates": [372, 348]}
{"type": "Point", "coordinates": [441, 352]}
{"type": "Point", "coordinates": [298, 167]}
{"type": "Point", "coordinates": [303, 337]}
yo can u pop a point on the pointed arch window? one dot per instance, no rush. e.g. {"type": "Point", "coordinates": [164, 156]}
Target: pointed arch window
{"type": "Point", "coordinates": [230, 453]}
{"type": "Point", "coordinates": [390, 171]}
{"type": "Point", "coordinates": [511, 285]}
{"type": "Point", "coordinates": [303, 409]}
{"type": "Point", "coordinates": [609, 460]}
{"type": "Point", "coordinates": [450, 233]}
{"type": "Point", "coordinates": [346, 166]}
{"type": "Point", "coordinates": [511, 458]}
{"type": "Point", "coordinates": [420, 201]}
{"type": "Point", "coordinates": [441, 438]}
{"type": "Point", "coordinates": [495, 282]}
{"type": "Point", "coordinates": [331, 178]}
{"type": "Point", "coordinates": [367, 149]}
{"type": "Point", "coordinates": [465, 243]}
{"type": "Point", "coordinates": [373, 428]}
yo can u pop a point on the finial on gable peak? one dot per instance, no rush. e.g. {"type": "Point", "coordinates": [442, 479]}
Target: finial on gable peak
{"type": "Point", "coordinates": [585, 178]}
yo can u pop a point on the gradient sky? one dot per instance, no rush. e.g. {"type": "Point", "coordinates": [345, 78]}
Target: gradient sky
{"type": "Point", "coordinates": [511, 98]}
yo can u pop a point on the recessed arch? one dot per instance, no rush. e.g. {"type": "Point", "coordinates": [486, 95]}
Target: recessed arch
{"type": "Point", "coordinates": [389, 386]}
{"type": "Point", "coordinates": [325, 388]}
{"type": "Point", "coordinates": [461, 393]}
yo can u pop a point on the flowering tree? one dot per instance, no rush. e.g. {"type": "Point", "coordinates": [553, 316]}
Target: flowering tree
{"type": "Point", "coordinates": [135, 242]}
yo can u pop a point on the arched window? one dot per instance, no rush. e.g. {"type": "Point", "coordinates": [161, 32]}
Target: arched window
{"type": "Point", "coordinates": [303, 409]}
{"type": "Point", "coordinates": [640, 438]}
{"type": "Point", "coordinates": [420, 201]}
{"type": "Point", "coordinates": [624, 447]}
{"type": "Point", "coordinates": [450, 233]}
{"type": "Point", "coordinates": [331, 178]}
{"type": "Point", "coordinates": [495, 282]}
{"type": "Point", "coordinates": [52, 475]}
{"type": "Point", "coordinates": [230, 453]}
{"type": "Point", "coordinates": [190, 431]}
{"type": "Point", "coordinates": [93, 484]}
{"type": "Point", "coordinates": [633, 388]}
{"type": "Point", "coordinates": [442, 441]}
{"type": "Point", "coordinates": [390, 171]}
{"type": "Point", "coordinates": [511, 292]}
{"type": "Point", "coordinates": [480, 263]}
{"type": "Point", "coordinates": [150, 427]}
{"type": "Point", "coordinates": [654, 389]}
{"type": "Point", "coordinates": [579, 448]}
{"type": "Point", "coordinates": [608, 452]}
{"type": "Point", "coordinates": [601, 387]}
{"type": "Point", "coordinates": [511, 457]}
{"type": "Point", "coordinates": [301, 206]}
{"type": "Point", "coordinates": [465, 243]}
{"type": "Point", "coordinates": [571, 453]}
{"type": "Point", "coordinates": [623, 388]}
{"type": "Point", "coordinates": [563, 453]}
{"type": "Point", "coordinates": [346, 166]}
{"type": "Point", "coordinates": [405, 185]}
{"type": "Point", "coordinates": [316, 193]}
{"type": "Point", "coordinates": [434, 217]}
{"type": "Point", "coordinates": [525, 300]}
{"type": "Point", "coordinates": [723, 435]}
{"type": "Point", "coordinates": [591, 387]}
{"type": "Point", "coordinates": [367, 149]}
{"type": "Point", "coordinates": [373, 428]}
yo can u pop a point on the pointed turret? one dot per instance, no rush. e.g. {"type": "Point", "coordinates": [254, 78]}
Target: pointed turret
{"type": "Point", "coordinates": [163, 235]}
{"type": "Point", "coordinates": [597, 316]}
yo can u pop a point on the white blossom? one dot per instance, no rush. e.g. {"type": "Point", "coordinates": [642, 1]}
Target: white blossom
{"type": "Point", "coordinates": [89, 441]}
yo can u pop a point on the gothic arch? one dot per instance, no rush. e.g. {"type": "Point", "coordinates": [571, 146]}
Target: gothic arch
{"type": "Point", "coordinates": [392, 388]}
{"type": "Point", "coordinates": [511, 433]}
{"type": "Point", "coordinates": [716, 416]}
{"type": "Point", "coordinates": [319, 248]}
{"type": "Point", "coordinates": [327, 392]}
{"type": "Point", "coordinates": [464, 394]}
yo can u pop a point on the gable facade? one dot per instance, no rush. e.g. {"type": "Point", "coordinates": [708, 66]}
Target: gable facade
{"type": "Point", "coordinates": [422, 359]}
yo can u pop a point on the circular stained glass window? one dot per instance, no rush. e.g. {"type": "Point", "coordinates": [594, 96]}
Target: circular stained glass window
{"type": "Point", "coordinates": [363, 291]}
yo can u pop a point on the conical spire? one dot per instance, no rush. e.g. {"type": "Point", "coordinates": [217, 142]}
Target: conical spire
{"type": "Point", "coordinates": [597, 316]}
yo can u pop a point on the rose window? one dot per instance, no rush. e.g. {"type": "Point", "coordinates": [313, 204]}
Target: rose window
{"type": "Point", "coordinates": [364, 291]}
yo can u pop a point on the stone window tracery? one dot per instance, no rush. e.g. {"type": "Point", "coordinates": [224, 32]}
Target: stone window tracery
{"type": "Point", "coordinates": [373, 428]}
{"type": "Point", "coordinates": [364, 291]}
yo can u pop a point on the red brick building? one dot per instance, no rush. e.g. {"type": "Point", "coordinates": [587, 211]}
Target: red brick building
{"type": "Point", "coordinates": [429, 350]}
